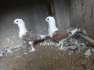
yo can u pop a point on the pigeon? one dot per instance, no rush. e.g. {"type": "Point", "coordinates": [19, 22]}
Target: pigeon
{"type": "Point", "coordinates": [54, 32]}
{"type": "Point", "coordinates": [28, 37]}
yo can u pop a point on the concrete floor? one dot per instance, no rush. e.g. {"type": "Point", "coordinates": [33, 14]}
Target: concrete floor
{"type": "Point", "coordinates": [46, 59]}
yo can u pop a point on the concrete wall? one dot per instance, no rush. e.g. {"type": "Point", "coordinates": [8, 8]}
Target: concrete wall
{"type": "Point", "coordinates": [82, 14]}
{"type": "Point", "coordinates": [33, 12]}
{"type": "Point", "coordinates": [62, 13]}
{"type": "Point", "coordinates": [75, 13]}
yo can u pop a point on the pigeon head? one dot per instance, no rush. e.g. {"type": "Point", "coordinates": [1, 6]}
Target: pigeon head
{"type": "Point", "coordinates": [50, 19]}
{"type": "Point", "coordinates": [18, 21]}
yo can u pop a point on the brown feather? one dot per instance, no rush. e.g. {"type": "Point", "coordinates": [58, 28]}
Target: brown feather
{"type": "Point", "coordinates": [60, 35]}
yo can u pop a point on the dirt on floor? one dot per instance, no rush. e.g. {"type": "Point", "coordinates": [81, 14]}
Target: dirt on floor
{"type": "Point", "coordinates": [46, 59]}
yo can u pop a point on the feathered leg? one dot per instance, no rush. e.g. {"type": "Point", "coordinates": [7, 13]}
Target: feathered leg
{"type": "Point", "coordinates": [32, 46]}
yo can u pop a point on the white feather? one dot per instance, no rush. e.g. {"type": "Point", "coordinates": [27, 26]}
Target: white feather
{"type": "Point", "coordinates": [23, 31]}
{"type": "Point", "coordinates": [21, 26]}
{"type": "Point", "coordinates": [51, 25]}
{"type": "Point", "coordinates": [88, 53]}
{"type": "Point", "coordinates": [74, 31]}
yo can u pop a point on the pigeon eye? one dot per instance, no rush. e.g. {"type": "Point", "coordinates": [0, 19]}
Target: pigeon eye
{"type": "Point", "coordinates": [47, 18]}
{"type": "Point", "coordinates": [17, 21]}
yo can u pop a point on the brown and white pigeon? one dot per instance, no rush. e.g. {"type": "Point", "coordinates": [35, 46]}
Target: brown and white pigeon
{"type": "Point", "coordinates": [28, 37]}
{"type": "Point", "coordinates": [54, 32]}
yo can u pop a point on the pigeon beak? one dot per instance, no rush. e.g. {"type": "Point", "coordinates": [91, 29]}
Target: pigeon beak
{"type": "Point", "coordinates": [14, 23]}
{"type": "Point", "coordinates": [46, 20]}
